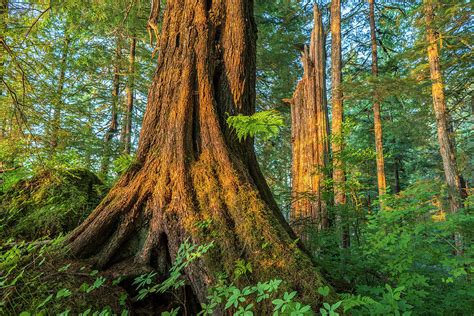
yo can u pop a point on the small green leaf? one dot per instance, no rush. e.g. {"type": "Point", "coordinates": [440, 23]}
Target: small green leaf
{"type": "Point", "coordinates": [45, 301]}
{"type": "Point", "coordinates": [324, 291]}
{"type": "Point", "coordinates": [63, 293]}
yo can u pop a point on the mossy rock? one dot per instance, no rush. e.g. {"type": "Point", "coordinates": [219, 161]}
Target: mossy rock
{"type": "Point", "coordinates": [50, 203]}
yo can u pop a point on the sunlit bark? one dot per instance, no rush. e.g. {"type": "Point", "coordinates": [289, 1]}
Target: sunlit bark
{"type": "Point", "coordinates": [381, 183]}
{"type": "Point", "coordinates": [439, 105]}
{"type": "Point", "coordinates": [337, 137]}
{"type": "Point", "coordinates": [191, 167]}
{"type": "Point", "coordinates": [310, 148]}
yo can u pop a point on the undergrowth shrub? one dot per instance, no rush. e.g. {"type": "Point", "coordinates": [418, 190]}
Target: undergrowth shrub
{"type": "Point", "coordinates": [407, 245]}
{"type": "Point", "coordinates": [36, 280]}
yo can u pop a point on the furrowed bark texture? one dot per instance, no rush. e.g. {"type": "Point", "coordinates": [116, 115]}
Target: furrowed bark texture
{"type": "Point", "coordinates": [337, 105]}
{"type": "Point", "coordinates": [191, 168]}
{"type": "Point", "coordinates": [310, 147]}
{"type": "Point", "coordinates": [381, 183]}
{"type": "Point", "coordinates": [439, 104]}
{"type": "Point", "coordinates": [337, 138]}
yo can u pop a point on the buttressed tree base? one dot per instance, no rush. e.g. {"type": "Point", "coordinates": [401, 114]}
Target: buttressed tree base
{"type": "Point", "coordinates": [191, 167]}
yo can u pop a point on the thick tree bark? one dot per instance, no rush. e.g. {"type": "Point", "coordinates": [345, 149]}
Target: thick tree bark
{"type": "Point", "coordinates": [310, 148]}
{"type": "Point", "coordinates": [439, 105]}
{"type": "Point", "coordinates": [337, 138]}
{"type": "Point", "coordinates": [191, 167]}
{"type": "Point", "coordinates": [381, 182]}
{"type": "Point", "coordinates": [125, 137]}
{"type": "Point", "coordinates": [58, 98]}
{"type": "Point", "coordinates": [113, 124]}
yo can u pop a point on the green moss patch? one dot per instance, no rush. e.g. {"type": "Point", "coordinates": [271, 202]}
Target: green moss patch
{"type": "Point", "coordinates": [48, 204]}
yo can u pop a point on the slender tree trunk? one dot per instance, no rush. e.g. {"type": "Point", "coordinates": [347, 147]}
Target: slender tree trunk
{"type": "Point", "coordinates": [14, 119]}
{"type": "Point", "coordinates": [125, 137]}
{"type": "Point", "coordinates": [3, 32]}
{"type": "Point", "coordinates": [89, 148]}
{"type": "Point", "coordinates": [3, 55]}
{"type": "Point", "coordinates": [310, 148]}
{"type": "Point", "coordinates": [439, 105]}
{"type": "Point", "coordinates": [112, 129]}
{"type": "Point", "coordinates": [192, 168]}
{"type": "Point", "coordinates": [337, 138]}
{"type": "Point", "coordinates": [58, 98]}
{"type": "Point", "coordinates": [381, 182]}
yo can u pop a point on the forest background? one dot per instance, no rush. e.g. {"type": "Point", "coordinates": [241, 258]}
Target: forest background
{"type": "Point", "coordinates": [74, 87]}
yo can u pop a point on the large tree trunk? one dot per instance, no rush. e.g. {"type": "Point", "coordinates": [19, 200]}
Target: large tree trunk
{"type": "Point", "coordinates": [337, 138]}
{"type": "Point", "coordinates": [58, 98]}
{"type": "Point", "coordinates": [126, 135]}
{"type": "Point", "coordinates": [113, 124]}
{"type": "Point", "coordinates": [191, 167]}
{"type": "Point", "coordinates": [381, 183]}
{"type": "Point", "coordinates": [310, 148]}
{"type": "Point", "coordinates": [439, 105]}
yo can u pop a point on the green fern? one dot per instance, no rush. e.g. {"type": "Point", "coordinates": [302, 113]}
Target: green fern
{"type": "Point", "coordinates": [265, 124]}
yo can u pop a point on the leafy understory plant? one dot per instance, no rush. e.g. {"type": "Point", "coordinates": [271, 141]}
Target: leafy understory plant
{"type": "Point", "coordinates": [187, 253]}
{"type": "Point", "coordinates": [265, 124]}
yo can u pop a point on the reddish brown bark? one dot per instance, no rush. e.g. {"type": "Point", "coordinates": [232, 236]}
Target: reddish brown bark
{"type": "Point", "coordinates": [337, 137]}
{"type": "Point", "coordinates": [337, 104]}
{"type": "Point", "coordinates": [192, 168]}
{"type": "Point", "coordinates": [439, 105]}
{"type": "Point", "coordinates": [310, 147]}
{"type": "Point", "coordinates": [381, 182]}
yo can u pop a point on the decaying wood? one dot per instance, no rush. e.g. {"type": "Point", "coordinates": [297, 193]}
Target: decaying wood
{"type": "Point", "coordinates": [191, 167]}
{"type": "Point", "coordinates": [310, 147]}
